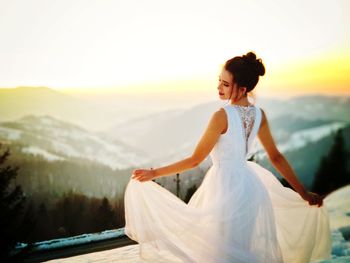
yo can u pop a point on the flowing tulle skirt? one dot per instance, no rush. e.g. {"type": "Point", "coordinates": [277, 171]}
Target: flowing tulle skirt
{"type": "Point", "coordinates": [238, 214]}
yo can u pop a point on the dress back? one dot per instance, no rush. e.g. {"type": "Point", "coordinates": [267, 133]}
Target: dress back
{"type": "Point", "coordinates": [235, 145]}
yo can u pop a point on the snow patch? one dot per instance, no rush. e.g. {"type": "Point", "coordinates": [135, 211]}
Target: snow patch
{"type": "Point", "coordinates": [75, 240]}
{"type": "Point", "coordinates": [46, 120]}
{"type": "Point", "coordinates": [301, 138]}
{"type": "Point", "coordinates": [38, 151]}
{"type": "Point", "coordinates": [338, 206]}
{"type": "Point", "coordinates": [10, 134]}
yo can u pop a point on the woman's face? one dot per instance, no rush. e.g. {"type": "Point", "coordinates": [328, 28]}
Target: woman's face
{"type": "Point", "coordinates": [228, 88]}
{"type": "Point", "coordinates": [225, 85]}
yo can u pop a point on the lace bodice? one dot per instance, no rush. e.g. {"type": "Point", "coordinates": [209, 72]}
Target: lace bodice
{"type": "Point", "coordinates": [247, 114]}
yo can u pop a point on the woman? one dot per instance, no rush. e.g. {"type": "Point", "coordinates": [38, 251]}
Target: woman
{"type": "Point", "coordinates": [240, 212]}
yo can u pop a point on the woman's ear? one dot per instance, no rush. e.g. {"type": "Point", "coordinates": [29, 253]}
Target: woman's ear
{"type": "Point", "coordinates": [243, 90]}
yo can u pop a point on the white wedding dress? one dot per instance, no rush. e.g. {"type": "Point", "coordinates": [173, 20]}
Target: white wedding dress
{"type": "Point", "coordinates": [240, 212]}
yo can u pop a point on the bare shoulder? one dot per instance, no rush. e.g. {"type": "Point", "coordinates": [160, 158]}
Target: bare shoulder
{"type": "Point", "coordinates": [219, 114]}
{"type": "Point", "coordinates": [222, 114]}
{"type": "Point", "coordinates": [263, 117]}
{"type": "Point", "coordinates": [219, 119]}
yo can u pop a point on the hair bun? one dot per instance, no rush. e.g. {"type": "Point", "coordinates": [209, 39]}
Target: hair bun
{"type": "Point", "coordinates": [250, 57]}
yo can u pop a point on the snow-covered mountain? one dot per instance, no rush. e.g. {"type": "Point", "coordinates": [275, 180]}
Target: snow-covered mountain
{"type": "Point", "coordinates": [138, 126]}
{"type": "Point", "coordinates": [18, 102]}
{"type": "Point", "coordinates": [166, 136]}
{"type": "Point", "coordinates": [309, 107]}
{"type": "Point", "coordinates": [90, 112]}
{"type": "Point", "coordinates": [54, 140]}
{"type": "Point", "coordinates": [162, 138]}
{"type": "Point", "coordinates": [301, 138]}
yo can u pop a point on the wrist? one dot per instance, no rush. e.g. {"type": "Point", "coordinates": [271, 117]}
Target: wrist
{"type": "Point", "coordinates": [302, 191]}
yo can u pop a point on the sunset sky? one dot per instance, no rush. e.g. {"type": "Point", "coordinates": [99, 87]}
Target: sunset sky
{"type": "Point", "coordinates": [127, 46]}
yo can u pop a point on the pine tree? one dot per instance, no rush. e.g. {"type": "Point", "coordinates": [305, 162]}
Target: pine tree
{"type": "Point", "coordinates": [190, 192]}
{"type": "Point", "coordinates": [28, 223]}
{"type": "Point", "coordinates": [11, 204]}
{"type": "Point", "coordinates": [105, 218]}
{"type": "Point", "coordinates": [332, 172]}
{"type": "Point", "coordinates": [44, 223]}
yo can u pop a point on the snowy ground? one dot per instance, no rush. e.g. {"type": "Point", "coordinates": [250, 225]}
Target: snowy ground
{"type": "Point", "coordinates": [338, 204]}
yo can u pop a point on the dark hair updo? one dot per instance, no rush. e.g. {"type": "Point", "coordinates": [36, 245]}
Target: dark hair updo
{"type": "Point", "coordinates": [246, 70]}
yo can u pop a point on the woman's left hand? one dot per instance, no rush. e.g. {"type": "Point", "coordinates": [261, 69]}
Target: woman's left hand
{"type": "Point", "coordinates": [143, 175]}
{"type": "Point", "coordinates": [313, 198]}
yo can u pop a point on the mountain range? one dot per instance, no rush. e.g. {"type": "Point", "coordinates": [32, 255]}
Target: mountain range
{"type": "Point", "coordinates": [59, 154]}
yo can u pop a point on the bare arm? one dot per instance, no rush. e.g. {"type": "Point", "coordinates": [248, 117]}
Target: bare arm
{"type": "Point", "coordinates": [276, 158]}
{"type": "Point", "coordinates": [281, 164]}
{"type": "Point", "coordinates": [216, 125]}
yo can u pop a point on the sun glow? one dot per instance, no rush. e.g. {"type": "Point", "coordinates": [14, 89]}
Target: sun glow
{"type": "Point", "coordinates": [149, 46]}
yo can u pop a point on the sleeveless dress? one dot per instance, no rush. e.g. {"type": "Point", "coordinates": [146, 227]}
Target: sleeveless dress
{"type": "Point", "coordinates": [240, 213]}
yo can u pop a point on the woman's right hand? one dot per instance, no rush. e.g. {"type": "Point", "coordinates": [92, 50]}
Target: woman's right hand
{"type": "Point", "coordinates": [312, 198]}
